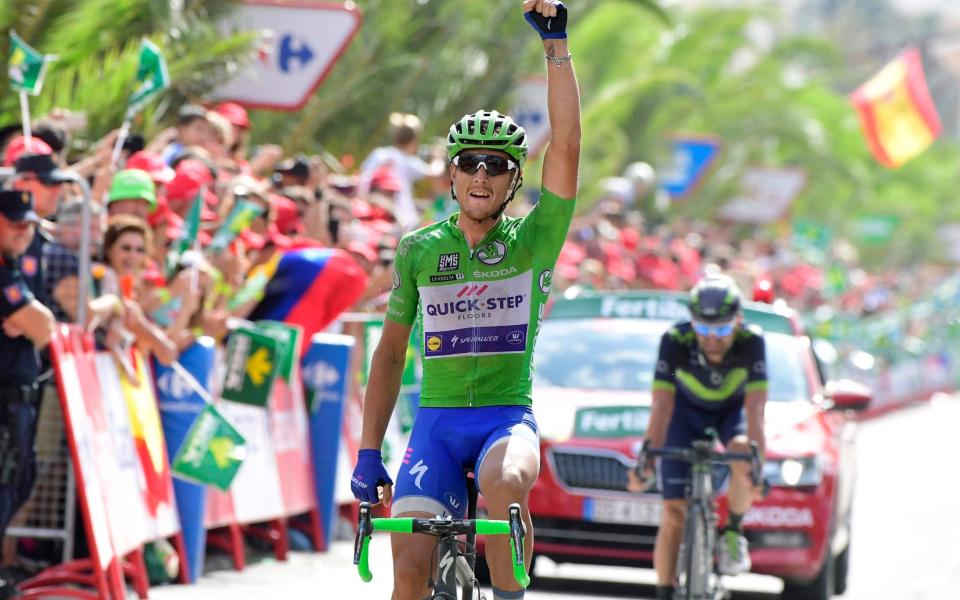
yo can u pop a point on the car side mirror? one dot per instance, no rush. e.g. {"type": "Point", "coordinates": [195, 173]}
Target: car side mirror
{"type": "Point", "coordinates": [846, 394]}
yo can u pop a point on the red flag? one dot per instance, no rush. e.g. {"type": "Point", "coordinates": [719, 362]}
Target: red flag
{"type": "Point", "coordinates": [898, 117]}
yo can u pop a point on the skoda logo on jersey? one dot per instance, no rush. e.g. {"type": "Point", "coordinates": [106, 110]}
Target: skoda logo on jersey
{"type": "Point", "coordinates": [396, 278]}
{"type": "Point", "coordinates": [546, 278]}
{"type": "Point", "coordinates": [492, 253]}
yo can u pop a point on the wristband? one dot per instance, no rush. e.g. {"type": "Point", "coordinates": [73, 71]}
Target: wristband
{"type": "Point", "coordinates": [559, 60]}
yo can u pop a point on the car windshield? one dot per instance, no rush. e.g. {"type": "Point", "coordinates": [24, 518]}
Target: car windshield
{"type": "Point", "coordinates": [619, 354]}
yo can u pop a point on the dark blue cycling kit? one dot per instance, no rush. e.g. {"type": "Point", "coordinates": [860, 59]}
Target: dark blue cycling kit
{"type": "Point", "coordinates": [706, 395]}
{"type": "Point", "coordinates": [447, 442]}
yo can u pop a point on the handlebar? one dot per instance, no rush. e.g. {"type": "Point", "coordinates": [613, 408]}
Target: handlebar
{"type": "Point", "coordinates": [703, 452]}
{"type": "Point", "coordinates": [440, 528]}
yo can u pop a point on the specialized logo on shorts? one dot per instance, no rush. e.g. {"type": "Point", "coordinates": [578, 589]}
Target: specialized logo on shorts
{"type": "Point", "coordinates": [13, 293]}
{"type": "Point", "coordinates": [492, 253]}
{"type": "Point", "coordinates": [396, 278]}
{"type": "Point", "coordinates": [546, 278]}
{"type": "Point", "coordinates": [434, 343]}
{"type": "Point", "coordinates": [418, 470]}
{"type": "Point", "coordinates": [28, 264]}
{"type": "Point", "coordinates": [448, 262]}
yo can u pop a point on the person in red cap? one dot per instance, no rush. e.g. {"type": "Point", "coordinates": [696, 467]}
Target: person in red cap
{"type": "Point", "coordinates": [408, 167]}
{"type": "Point", "coordinates": [237, 116]}
{"type": "Point", "coordinates": [152, 163]}
{"type": "Point", "coordinates": [19, 146]}
{"type": "Point", "coordinates": [190, 175]}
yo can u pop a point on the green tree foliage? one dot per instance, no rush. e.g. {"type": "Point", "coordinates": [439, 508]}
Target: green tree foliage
{"type": "Point", "coordinates": [97, 44]}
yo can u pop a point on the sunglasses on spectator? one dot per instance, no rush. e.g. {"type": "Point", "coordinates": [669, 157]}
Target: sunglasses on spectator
{"type": "Point", "coordinates": [137, 249]}
{"type": "Point", "coordinates": [493, 164]}
{"type": "Point", "coordinates": [719, 330]}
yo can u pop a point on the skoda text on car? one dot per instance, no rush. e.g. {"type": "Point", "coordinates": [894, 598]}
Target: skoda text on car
{"type": "Point", "coordinates": [594, 370]}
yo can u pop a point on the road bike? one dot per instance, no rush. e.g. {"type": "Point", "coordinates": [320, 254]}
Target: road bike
{"type": "Point", "coordinates": [455, 577]}
{"type": "Point", "coordinates": [696, 566]}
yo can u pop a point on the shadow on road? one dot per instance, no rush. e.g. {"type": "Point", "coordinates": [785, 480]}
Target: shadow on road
{"type": "Point", "coordinates": [619, 589]}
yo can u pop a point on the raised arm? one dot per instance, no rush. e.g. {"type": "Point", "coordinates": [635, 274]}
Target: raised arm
{"type": "Point", "coordinates": [561, 159]}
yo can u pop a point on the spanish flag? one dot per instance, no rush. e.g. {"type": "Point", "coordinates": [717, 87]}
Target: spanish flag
{"type": "Point", "coordinates": [898, 117]}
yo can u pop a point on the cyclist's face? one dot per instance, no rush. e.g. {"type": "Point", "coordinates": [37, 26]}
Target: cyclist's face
{"type": "Point", "coordinates": [715, 346]}
{"type": "Point", "coordinates": [482, 188]}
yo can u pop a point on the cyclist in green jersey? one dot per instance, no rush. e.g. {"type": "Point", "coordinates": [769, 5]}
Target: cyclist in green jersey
{"type": "Point", "coordinates": [478, 281]}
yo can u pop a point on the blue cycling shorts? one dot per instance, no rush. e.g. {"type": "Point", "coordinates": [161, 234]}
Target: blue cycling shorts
{"type": "Point", "coordinates": [447, 442]}
{"type": "Point", "coordinates": [686, 425]}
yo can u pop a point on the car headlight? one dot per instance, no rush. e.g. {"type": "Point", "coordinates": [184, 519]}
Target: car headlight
{"type": "Point", "coordinates": [793, 472]}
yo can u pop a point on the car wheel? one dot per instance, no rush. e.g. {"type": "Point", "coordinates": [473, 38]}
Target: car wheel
{"type": "Point", "coordinates": [841, 566]}
{"type": "Point", "coordinates": [820, 587]}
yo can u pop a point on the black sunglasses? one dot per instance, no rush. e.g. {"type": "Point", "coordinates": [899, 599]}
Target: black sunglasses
{"type": "Point", "coordinates": [493, 164]}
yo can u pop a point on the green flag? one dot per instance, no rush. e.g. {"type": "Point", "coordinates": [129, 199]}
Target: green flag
{"type": "Point", "coordinates": [875, 230]}
{"type": "Point", "coordinates": [253, 362]}
{"type": "Point", "coordinates": [289, 337]}
{"type": "Point", "coordinates": [27, 66]}
{"type": "Point", "coordinates": [152, 76]}
{"type": "Point", "coordinates": [241, 215]}
{"type": "Point", "coordinates": [188, 233]}
{"type": "Point", "coordinates": [212, 451]}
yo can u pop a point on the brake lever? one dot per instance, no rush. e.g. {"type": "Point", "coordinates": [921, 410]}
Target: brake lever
{"type": "Point", "coordinates": [364, 530]}
{"type": "Point", "coordinates": [756, 466]}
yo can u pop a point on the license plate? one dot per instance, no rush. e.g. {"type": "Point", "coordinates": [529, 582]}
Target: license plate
{"type": "Point", "coordinates": [634, 511]}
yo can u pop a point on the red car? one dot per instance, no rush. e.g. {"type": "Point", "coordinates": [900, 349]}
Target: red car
{"type": "Point", "coordinates": [593, 374]}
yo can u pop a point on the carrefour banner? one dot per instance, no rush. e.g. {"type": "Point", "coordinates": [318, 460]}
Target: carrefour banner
{"type": "Point", "coordinates": [325, 368]}
{"type": "Point", "coordinates": [180, 405]}
{"type": "Point", "coordinates": [690, 160]}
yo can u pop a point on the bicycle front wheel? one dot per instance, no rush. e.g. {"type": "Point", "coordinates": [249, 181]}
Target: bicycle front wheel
{"type": "Point", "coordinates": [695, 557]}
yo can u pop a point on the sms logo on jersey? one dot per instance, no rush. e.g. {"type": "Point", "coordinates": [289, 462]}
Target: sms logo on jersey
{"type": "Point", "coordinates": [434, 343]}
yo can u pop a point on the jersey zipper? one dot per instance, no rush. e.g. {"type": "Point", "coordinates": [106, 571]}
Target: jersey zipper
{"type": "Point", "coordinates": [472, 389]}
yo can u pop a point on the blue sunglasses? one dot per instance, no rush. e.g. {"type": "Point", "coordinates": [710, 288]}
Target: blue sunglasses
{"type": "Point", "coordinates": [721, 330]}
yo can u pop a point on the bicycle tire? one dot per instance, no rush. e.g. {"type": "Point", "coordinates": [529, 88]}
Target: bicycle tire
{"type": "Point", "coordinates": [695, 563]}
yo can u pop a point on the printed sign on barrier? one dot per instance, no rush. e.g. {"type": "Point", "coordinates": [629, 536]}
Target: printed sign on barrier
{"type": "Point", "coordinates": [123, 476]}
{"type": "Point", "coordinates": [255, 491]}
{"type": "Point", "coordinates": [157, 483]}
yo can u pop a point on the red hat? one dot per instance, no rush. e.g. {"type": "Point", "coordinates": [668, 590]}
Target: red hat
{"type": "Point", "coordinates": [362, 249]}
{"type": "Point", "coordinates": [19, 146]}
{"type": "Point", "coordinates": [288, 219]}
{"type": "Point", "coordinates": [236, 114]}
{"type": "Point", "coordinates": [385, 178]}
{"type": "Point", "coordinates": [189, 176]}
{"type": "Point", "coordinates": [152, 163]}
{"type": "Point", "coordinates": [273, 236]}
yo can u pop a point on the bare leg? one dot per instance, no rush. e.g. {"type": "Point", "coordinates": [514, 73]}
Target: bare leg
{"type": "Point", "coordinates": [507, 474]}
{"type": "Point", "coordinates": [740, 494]}
{"type": "Point", "coordinates": [412, 555]}
{"type": "Point", "coordinates": [669, 536]}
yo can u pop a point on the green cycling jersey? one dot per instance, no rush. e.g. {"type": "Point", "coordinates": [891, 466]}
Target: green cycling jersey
{"type": "Point", "coordinates": [481, 308]}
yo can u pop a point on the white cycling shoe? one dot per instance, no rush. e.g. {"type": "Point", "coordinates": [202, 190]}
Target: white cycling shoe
{"type": "Point", "coordinates": [734, 553]}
